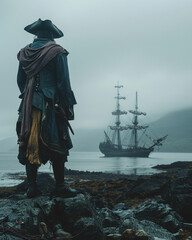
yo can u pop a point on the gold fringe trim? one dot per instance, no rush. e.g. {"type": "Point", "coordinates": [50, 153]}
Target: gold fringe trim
{"type": "Point", "coordinates": [32, 153]}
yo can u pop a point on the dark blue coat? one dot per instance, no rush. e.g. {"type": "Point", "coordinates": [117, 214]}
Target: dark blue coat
{"type": "Point", "coordinates": [54, 88]}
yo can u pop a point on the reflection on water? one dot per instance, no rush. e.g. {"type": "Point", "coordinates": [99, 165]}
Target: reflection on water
{"type": "Point", "coordinates": [95, 161]}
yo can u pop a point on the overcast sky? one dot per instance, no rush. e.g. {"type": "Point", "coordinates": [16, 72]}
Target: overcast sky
{"type": "Point", "coordinates": [146, 45]}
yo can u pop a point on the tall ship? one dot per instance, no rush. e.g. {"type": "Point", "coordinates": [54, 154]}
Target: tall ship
{"type": "Point", "coordinates": [113, 146]}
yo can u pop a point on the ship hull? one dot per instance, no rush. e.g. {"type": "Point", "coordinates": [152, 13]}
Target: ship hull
{"type": "Point", "coordinates": [110, 150]}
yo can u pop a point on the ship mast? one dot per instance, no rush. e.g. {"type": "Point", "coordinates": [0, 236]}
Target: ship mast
{"type": "Point", "coordinates": [135, 127]}
{"type": "Point", "coordinates": [117, 113]}
{"type": "Point", "coordinates": [135, 122]}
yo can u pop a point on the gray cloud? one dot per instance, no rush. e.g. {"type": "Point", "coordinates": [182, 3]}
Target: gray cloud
{"type": "Point", "coordinates": [145, 45]}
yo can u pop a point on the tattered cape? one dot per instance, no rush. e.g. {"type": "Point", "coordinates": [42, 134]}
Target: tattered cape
{"type": "Point", "coordinates": [32, 61]}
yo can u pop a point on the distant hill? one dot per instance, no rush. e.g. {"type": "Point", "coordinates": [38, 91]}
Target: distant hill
{"type": "Point", "coordinates": [178, 126]}
{"type": "Point", "coordinates": [87, 139]}
{"type": "Point", "coordinates": [8, 144]}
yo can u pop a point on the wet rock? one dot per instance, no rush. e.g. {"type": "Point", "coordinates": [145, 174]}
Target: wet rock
{"type": "Point", "coordinates": [59, 233]}
{"type": "Point", "coordinates": [178, 193]}
{"type": "Point", "coordinates": [87, 229]}
{"type": "Point", "coordinates": [21, 214]}
{"type": "Point", "coordinates": [130, 223]}
{"type": "Point", "coordinates": [150, 228]}
{"type": "Point", "coordinates": [141, 235]}
{"type": "Point", "coordinates": [17, 197]}
{"type": "Point", "coordinates": [98, 202]}
{"type": "Point", "coordinates": [123, 213]}
{"type": "Point", "coordinates": [46, 210]}
{"type": "Point", "coordinates": [129, 234]}
{"type": "Point", "coordinates": [155, 231]}
{"type": "Point", "coordinates": [83, 216]}
{"type": "Point", "coordinates": [174, 166]}
{"type": "Point", "coordinates": [109, 218]}
{"type": "Point", "coordinates": [114, 236]}
{"type": "Point", "coordinates": [43, 230]}
{"type": "Point", "coordinates": [45, 183]}
{"type": "Point", "coordinates": [189, 238]}
{"type": "Point", "coordinates": [147, 187]}
{"type": "Point", "coordinates": [180, 234]}
{"type": "Point", "coordinates": [110, 230]}
{"type": "Point", "coordinates": [27, 214]}
{"type": "Point", "coordinates": [9, 237]}
{"type": "Point", "coordinates": [69, 210]}
{"type": "Point", "coordinates": [120, 206]}
{"type": "Point", "coordinates": [159, 213]}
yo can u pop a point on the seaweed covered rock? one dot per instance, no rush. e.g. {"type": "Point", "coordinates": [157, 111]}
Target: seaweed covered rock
{"type": "Point", "coordinates": [148, 228]}
{"type": "Point", "coordinates": [79, 217]}
{"type": "Point", "coordinates": [109, 218]}
{"type": "Point", "coordinates": [160, 213]}
{"type": "Point", "coordinates": [178, 193]}
{"type": "Point", "coordinates": [88, 229]}
{"type": "Point", "coordinates": [130, 234]}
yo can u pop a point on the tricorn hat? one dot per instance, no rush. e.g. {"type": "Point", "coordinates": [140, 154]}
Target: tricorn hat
{"type": "Point", "coordinates": [45, 25]}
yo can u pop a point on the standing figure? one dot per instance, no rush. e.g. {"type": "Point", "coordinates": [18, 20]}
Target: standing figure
{"type": "Point", "coordinates": [46, 106]}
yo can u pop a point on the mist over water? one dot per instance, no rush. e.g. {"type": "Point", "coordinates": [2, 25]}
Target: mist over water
{"type": "Point", "coordinates": [145, 45]}
{"type": "Point", "coordinates": [92, 161]}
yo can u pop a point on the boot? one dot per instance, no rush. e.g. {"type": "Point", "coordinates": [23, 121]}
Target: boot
{"type": "Point", "coordinates": [61, 188]}
{"type": "Point", "coordinates": [31, 170]}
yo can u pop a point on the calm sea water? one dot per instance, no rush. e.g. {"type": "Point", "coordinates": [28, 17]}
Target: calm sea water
{"type": "Point", "coordinates": [92, 161]}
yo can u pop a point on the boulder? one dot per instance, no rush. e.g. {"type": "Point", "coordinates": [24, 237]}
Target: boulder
{"type": "Point", "coordinates": [130, 234]}
{"type": "Point", "coordinates": [122, 211]}
{"type": "Point", "coordinates": [79, 217]}
{"type": "Point", "coordinates": [159, 213]}
{"type": "Point", "coordinates": [147, 187]}
{"type": "Point", "coordinates": [150, 228]}
{"type": "Point", "coordinates": [155, 231]}
{"type": "Point", "coordinates": [60, 234]}
{"type": "Point", "coordinates": [110, 230]}
{"type": "Point", "coordinates": [178, 193]}
{"type": "Point", "coordinates": [9, 237]}
{"type": "Point", "coordinates": [129, 223]}
{"type": "Point", "coordinates": [45, 182]}
{"type": "Point", "coordinates": [109, 218]}
{"type": "Point", "coordinates": [141, 235]}
{"type": "Point", "coordinates": [114, 236]}
{"type": "Point", "coordinates": [69, 210]}
{"type": "Point", "coordinates": [87, 229]}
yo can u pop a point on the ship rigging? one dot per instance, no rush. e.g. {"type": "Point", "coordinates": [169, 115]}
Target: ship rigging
{"type": "Point", "coordinates": [113, 147]}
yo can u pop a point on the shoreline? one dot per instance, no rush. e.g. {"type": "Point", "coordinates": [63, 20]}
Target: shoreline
{"type": "Point", "coordinates": [126, 201]}
{"type": "Point", "coordinates": [93, 181]}
{"type": "Point", "coordinates": [75, 175]}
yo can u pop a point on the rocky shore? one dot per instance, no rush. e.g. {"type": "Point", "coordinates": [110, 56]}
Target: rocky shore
{"type": "Point", "coordinates": [108, 206]}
